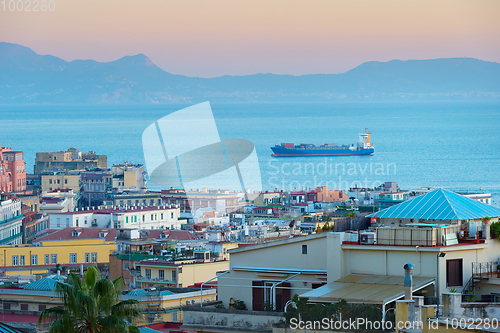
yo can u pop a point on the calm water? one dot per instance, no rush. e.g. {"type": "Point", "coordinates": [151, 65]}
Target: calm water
{"type": "Point", "coordinates": [450, 145]}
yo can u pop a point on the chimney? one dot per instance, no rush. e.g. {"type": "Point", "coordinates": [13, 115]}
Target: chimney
{"type": "Point", "coordinates": [408, 283]}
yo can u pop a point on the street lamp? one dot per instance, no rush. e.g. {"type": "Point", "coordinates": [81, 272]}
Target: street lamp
{"type": "Point", "coordinates": [439, 255]}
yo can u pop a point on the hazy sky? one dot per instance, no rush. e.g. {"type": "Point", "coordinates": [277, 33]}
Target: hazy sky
{"type": "Point", "coordinates": [217, 37]}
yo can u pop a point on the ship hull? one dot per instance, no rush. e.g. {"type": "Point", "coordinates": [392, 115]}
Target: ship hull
{"type": "Point", "coordinates": [294, 152]}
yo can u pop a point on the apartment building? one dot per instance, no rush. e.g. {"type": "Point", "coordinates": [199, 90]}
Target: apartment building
{"type": "Point", "coordinates": [12, 171]}
{"type": "Point", "coordinates": [57, 201]}
{"type": "Point", "coordinates": [45, 254]}
{"type": "Point", "coordinates": [60, 180]}
{"type": "Point", "coordinates": [128, 177]}
{"type": "Point", "coordinates": [185, 273]}
{"type": "Point", "coordinates": [155, 217]}
{"type": "Point", "coordinates": [11, 220]}
{"type": "Point", "coordinates": [137, 199]}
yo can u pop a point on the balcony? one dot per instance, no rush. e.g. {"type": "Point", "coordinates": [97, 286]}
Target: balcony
{"type": "Point", "coordinates": [415, 235]}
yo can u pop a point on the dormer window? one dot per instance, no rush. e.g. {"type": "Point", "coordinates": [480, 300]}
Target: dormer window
{"type": "Point", "coordinates": [102, 235]}
{"type": "Point", "coordinates": [74, 233]}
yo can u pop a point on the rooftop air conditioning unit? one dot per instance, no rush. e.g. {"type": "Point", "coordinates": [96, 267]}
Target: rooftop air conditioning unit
{"type": "Point", "coordinates": [367, 238]}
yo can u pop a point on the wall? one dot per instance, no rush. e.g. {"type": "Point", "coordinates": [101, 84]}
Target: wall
{"type": "Point", "coordinates": [214, 320]}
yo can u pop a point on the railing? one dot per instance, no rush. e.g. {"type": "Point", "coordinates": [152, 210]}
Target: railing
{"type": "Point", "coordinates": [484, 269]}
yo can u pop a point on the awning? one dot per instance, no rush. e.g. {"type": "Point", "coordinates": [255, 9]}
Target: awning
{"type": "Point", "coordinates": [370, 289]}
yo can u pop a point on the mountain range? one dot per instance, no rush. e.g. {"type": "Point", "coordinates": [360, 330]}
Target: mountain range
{"type": "Point", "coordinates": [27, 77]}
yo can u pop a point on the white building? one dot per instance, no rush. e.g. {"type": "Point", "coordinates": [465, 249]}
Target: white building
{"type": "Point", "coordinates": [11, 220]}
{"type": "Point", "coordinates": [57, 201]}
{"type": "Point", "coordinates": [155, 217]}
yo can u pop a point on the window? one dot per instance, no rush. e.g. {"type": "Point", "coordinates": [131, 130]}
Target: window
{"type": "Point", "coordinates": [161, 216]}
{"type": "Point", "coordinates": [15, 260]}
{"type": "Point", "coordinates": [50, 181]}
{"type": "Point", "coordinates": [58, 181]}
{"type": "Point", "coordinates": [454, 273]}
{"type": "Point", "coordinates": [304, 249]}
{"type": "Point", "coordinates": [152, 202]}
{"type": "Point", "coordinates": [41, 307]}
{"type": "Point", "coordinates": [77, 223]}
{"type": "Point", "coordinates": [21, 260]}
{"type": "Point", "coordinates": [58, 222]}
{"type": "Point", "coordinates": [47, 259]}
{"type": "Point", "coordinates": [67, 222]}
{"type": "Point", "coordinates": [24, 307]}
{"type": "Point", "coordinates": [174, 276]}
{"type": "Point", "coordinates": [87, 257]}
{"type": "Point", "coordinates": [148, 273]}
{"type": "Point", "coordinates": [171, 215]}
{"type": "Point", "coordinates": [126, 265]}
{"type": "Point", "coordinates": [65, 181]}
{"type": "Point", "coordinates": [53, 259]}
{"type": "Point", "coordinates": [161, 274]}
{"type": "Point", "coordinates": [126, 219]}
{"type": "Point", "coordinates": [180, 270]}
{"type": "Point", "coordinates": [93, 256]}
{"type": "Point", "coordinates": [174, 316]}
{"type": "Point", "coordinates": [34, 259]}
{"type": "Point", "coordinates": [6, 306]}
{"type": "Point", "coordinates": [72, 258]}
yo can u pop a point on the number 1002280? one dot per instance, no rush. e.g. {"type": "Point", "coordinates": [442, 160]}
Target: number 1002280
{"type": "Point", "coordinates": [28, 5]}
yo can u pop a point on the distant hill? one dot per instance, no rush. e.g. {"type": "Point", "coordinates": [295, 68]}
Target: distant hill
{"type": "Point", "coordinates": [27, 77]}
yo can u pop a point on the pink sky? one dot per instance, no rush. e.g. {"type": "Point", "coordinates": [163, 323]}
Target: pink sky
{"type": "Point", "coordinates": [235, 37]}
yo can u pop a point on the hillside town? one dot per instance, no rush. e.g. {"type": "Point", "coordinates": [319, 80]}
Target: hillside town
{"type": "Point", "coordinates": [206, 260]}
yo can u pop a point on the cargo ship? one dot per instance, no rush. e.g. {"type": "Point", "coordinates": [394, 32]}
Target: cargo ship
{"type": "Point", "coordinates": [363, 147]}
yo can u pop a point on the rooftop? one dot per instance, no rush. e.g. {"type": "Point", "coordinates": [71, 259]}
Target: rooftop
{"type": "Point", "coordinates": [82, 233]}
{"type": "Point", "coordinates": [439, 205]}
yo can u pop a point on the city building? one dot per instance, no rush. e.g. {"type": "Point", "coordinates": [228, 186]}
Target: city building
{"type": "Point", "coordinates": [30, 200]}
{"type": "Point", "coordinates": [33, 183]}
{"type": "Point", "coordinates": [45, 254]}
{"type": "Point", "coordinates": [12, 171]}
{"type": "Point", "coordinates": [57, 201]}
{"type": "Point", "coordinates": [60, 180]}
{"type": "Point", "coordinates": [71, 159]}
{"type": "Point", "coordinates": [156, 273]}
{"type": "Point", "coordinates": [221, 201]}
{"type": "Point", "coordinates": [481, 197]}
{"type": "Point", "coordinates": [323, 194]}
{"type": "Point", "coordinates": [128, 177]}
{"type": "Point", "coordinates": [35, 226]}
{"type": "Point", "coordinates": [11, 220]}
{"type": "Point", "coordinates": [95, 188]}
{"type": "Point", "coordinates": [388, 199]}
{"type": "Point", "coordinates": [140, 217]}
{"type": "Point", "coordinates": [137, 199]}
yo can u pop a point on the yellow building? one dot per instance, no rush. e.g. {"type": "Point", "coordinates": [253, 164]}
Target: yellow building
{"type": "Point", "coordinates": [61, 181]}
{"type": "Point", "coordinates": [42, 256]}
{"type": "Point", "coordinates": [180, 274]}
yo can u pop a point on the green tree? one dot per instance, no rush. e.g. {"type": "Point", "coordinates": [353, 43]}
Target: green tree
{"type": "Point", "coordinates": [91, 305]}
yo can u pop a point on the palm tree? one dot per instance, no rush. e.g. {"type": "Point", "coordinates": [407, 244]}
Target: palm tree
{"type": "Point", "coordinates": [91, 305]}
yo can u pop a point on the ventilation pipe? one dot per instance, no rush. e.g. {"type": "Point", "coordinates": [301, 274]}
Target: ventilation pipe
{"type": "Point", "coordinates": [408, 283]}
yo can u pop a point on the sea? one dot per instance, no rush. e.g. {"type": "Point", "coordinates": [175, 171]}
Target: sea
{"type": "Point", "coordinates": [451, 145]}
